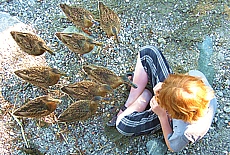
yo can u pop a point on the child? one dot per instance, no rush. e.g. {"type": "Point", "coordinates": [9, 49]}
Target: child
{"type": "Point", "coordinates": [182, 105]}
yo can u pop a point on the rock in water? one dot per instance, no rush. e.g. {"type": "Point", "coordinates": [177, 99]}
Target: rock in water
{"type": "Point", "coordinates": [156, 147]}
{"type": "Point", "coordinates": [204, 61]}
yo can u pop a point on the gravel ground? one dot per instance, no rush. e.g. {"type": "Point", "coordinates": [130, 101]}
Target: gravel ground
{"type": "Point", "coordinates": [175, 27]}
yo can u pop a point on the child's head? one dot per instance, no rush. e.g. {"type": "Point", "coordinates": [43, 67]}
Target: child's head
{"type": "Point", "coordinates": [184, 97]}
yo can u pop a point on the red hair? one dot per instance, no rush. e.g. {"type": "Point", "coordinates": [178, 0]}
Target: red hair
{"type": "Point", "coordinates": [184, 97]}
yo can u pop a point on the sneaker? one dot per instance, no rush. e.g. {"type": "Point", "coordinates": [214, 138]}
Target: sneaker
{"type": "Point", "coordinates": [112, 122]}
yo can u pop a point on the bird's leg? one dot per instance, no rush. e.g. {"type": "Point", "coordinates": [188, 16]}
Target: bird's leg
{"type": "Point", "coordinates": [38, 123]}
{"type": "Point", "coordinates": [86, 31]}
{"type": "Point", "coordinates": [98, 51]}
{"type": "Point", "coordinates": [60, 132]}
{"type": "Point", "coordinates": [55, 118]}
{"type": "Point", "coordinates": [22, 130]}
{"type": "Point", "coordinates": [27, 85]}
{"type": "Point", "coordinates": [97, 20]}
{"type": "Point", "coordinates": [102, 146]}
{"type": "Point", "coordinates": [81, 59]}
{"type": "Point", "coordinates": [46, 92]}
{"type": "Point", "coordinates": [55, 92]}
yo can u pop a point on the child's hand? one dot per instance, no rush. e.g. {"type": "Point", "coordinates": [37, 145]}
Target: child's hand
{"type": "Point", "coordinates": [156, 108]}
{"type": "Point", "coordinates": [157, 88]}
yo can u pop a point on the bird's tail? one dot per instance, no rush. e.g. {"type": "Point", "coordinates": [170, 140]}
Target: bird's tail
{"type": "Point", "coordinates": [95, 42]}
{"type": "Point", "coordinates": [66, 90]}
{"type": "Point", "coordinates": [48, 49]}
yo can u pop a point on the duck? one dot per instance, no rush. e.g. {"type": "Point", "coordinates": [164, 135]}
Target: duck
{"type": "Point", "coordinates": [77, 42]}
{"type": "Point", "coordinates": [38, 107]}
{"type": "Point", "coordinates": [31, 43]}
{"type": "Point", "coordinates": [109, 21]}
{"type": "Point", "coordinates": [79, 16]}
{"type": "Point", "coordinates": [86, 89]}
{"type": "Point", "coordinates": [41, 76]}
{"type": "Point", "coordinates": [80, 110]}
{"type": "Point", "coordinates": [105, 76]}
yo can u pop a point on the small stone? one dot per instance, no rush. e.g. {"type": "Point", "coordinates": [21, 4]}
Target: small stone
{"type": "Point", "coordinates": [227, 82]}
{"type": "Point", "coordinates": [220, 94]}
{"type": "Point", "coordinates": [220, 56]}
{"type": "Point", "coordinates": [11, 133]}
{"type": "Point", "coordinates": [161, 41]}
{"type": "Point", "coordinates": [227, 109]}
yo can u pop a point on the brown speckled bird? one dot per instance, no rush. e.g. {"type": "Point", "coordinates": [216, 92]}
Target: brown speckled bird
{"type": "Point", "coordinates": [77, 43]}
{"type": "Point", "coordinates": [38, 107]}
{"type": "Point", "coordinates": [109, 21]}
{"type": "Point", "coordinates": [30, 43]}
{"type": "Point", "coordinates": [41, 76]}
{"type": "Point", "coordinates": [106, 76]}
{"type": "Point", "coordinates": [80, 110]}
{"type": "Point", "coordinates": [86, 89]}
{"type": "Point", "coordinates": [79, 16]}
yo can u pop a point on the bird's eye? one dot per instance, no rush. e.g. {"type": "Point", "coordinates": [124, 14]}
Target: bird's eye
{"type": "Point", "coordinates": [27, 45]}
{"type": "Point", "coordinates": [75, 45]}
